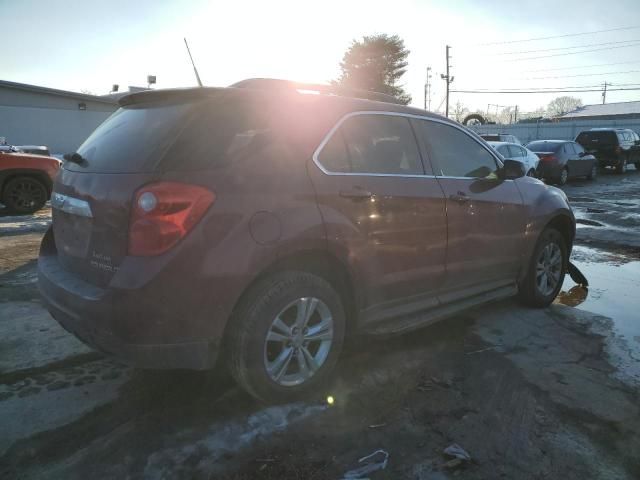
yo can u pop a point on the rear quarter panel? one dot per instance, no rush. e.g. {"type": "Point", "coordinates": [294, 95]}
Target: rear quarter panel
{"type": "Point", "coordinates": [265, 210]}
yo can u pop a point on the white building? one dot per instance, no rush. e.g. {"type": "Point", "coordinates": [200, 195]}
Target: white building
{"type": "Point", "coordinates": [61, 120]}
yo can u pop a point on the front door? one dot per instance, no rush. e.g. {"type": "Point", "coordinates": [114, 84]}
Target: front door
{"type": "Point", "coordinates": [383, 215]}
{"type": "Point", "coordinates": [485, 215]}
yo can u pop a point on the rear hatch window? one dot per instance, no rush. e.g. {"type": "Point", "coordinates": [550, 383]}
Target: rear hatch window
{"type": "Point", "coordinates": [149, 137]}
{"type": "Point", "coordinates": [491, 138]}
{"type": "Point", "coordinates": [544, 146]}
{"type": "Point", "coordinates": [594, 139]}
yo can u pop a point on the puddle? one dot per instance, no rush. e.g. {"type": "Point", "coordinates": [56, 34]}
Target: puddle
{"type": "Point", "coordinates": [585, 221]}
{"type": "Point", "coordinates": [614, 286]}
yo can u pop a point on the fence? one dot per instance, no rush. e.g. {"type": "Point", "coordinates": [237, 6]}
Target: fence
{"type": "Point", "coordinates": [567, 130]}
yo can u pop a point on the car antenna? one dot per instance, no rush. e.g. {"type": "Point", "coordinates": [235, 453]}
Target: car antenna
{"type": "Point", "coordinates": [195, 70]}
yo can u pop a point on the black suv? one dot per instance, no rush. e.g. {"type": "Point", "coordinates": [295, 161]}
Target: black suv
{"type": "Point", "coordinates": [613, 147]}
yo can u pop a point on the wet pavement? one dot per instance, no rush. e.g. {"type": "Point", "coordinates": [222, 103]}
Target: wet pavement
{"type": "Point", "coordinates": [550, 393]}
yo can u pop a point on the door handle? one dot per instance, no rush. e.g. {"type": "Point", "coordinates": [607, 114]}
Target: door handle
{"type": "Point", "coordinates": [459, 197]}
{"type": "Point", "coordinates": [356, 193]}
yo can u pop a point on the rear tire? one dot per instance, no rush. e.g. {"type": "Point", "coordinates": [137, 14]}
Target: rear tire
{"type": "Point", "coordinates": [622, 166]}
{"type": "Point", "coordinates": [269, 356]}
{"type": "Point", "coordinates": [563, 177]}
{"type": "Point", "coordinates": [24, 195]}
{"type": "Point", "coordinates": [545, 272]}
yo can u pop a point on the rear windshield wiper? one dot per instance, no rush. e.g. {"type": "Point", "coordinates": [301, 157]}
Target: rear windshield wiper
{"type": "Point", "coordinates": [74, 157]}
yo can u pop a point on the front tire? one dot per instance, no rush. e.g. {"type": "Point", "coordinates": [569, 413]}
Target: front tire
{"type": "Point", "coordinates": [546, 270]}
{"type": "Point", "coordinates": [286, 337]}
{"type": "Point", "coordinates": [24, 195]}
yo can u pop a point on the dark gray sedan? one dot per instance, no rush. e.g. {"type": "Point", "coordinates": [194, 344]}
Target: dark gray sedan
{"type": "Point", "coordinates": [561, 160]}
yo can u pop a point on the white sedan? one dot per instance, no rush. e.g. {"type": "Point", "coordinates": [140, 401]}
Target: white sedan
{"type": "Point", "coordinates": [513, 151]}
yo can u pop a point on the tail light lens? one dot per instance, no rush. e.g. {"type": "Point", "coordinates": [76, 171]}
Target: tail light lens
{"type": "Point", "coordinates": [163, 213]}
{"type": "Point", "coordinates": [548, 158]}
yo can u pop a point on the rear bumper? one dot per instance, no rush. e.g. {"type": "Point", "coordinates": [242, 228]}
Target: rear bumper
{"type": "Point", "coordinates": [548, 171]}
{"type": "Point", "coordinates": [115, 323]}
{"type": "Point", "coordinates": [609, 161]}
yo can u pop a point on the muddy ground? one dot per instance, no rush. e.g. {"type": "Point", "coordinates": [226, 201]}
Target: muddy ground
{"type": "Point", "coordinates": [527, 393]}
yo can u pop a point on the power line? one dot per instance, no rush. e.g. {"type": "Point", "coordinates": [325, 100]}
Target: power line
{"type": "Point", "coordinates": [561, 36]}
{"type": "Point", "coordinates": [580, 66]}
{"type": "Point", "coordinates": [567, 48]}
{"type": "Point", "coordinates": [578, 75]}
{"type": "Point", "coordinates": [544, 91]}
{"type": "Point", "coordinates": [571, 53]}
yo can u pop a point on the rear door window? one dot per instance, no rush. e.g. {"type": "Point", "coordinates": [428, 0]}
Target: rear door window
{"type": "Point", "coordinates": [515, 151]}
{"type": "Point", "coordinates": [373, 144]}
{"type": "Point", "coordinates": [455, 153]}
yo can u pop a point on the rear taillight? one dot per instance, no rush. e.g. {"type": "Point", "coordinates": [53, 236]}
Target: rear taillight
{"type": "Point", "coordinates": [548, 158]}
{"type": "Point", "coordinates": [163, 213]}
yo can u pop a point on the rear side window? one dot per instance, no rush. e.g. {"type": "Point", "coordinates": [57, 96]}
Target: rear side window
{"type": "Point", "coordinates": [373, 144]}
{"type": "Point", "coordinates": [179, 136]}
{"type": "Point", "coordinates": [456, 154]}
{"type": "Point", "coordinates": [593, 139]}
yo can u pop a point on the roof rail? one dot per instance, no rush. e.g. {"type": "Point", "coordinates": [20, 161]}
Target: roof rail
{"type": "Point", "coordinates": [277, 84]}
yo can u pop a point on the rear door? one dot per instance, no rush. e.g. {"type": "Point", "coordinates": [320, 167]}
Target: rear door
{"type": "Point", "coordinates": [485, 215]}
{"type": "Point", "coordinates": [382, 213]}
{"type": "Point", "coordinates": [584, 161]}
{"type": "Point", "coordinates": [574, 162]}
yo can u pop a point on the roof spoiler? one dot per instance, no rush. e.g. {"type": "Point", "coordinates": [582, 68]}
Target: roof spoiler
{"type": "Point", "coordinates": [169, 94]}
{"type": "Point", "coordinates": [288, 85]}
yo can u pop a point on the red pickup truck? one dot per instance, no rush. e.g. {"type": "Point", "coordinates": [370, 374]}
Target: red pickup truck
{"type": "Point", "coordinates": [26, 180]}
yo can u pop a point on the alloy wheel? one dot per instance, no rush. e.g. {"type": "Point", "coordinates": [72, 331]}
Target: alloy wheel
{"type": "Point", "coordinates": [548, 269]}
{"type": "Point", "coordinates": [298, 341]}
{"type": "Point", "coordinates": [564, 175]}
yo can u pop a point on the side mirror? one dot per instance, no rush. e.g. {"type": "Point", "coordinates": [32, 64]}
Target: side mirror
{"type": "Point", "coordinates": [512, 169]}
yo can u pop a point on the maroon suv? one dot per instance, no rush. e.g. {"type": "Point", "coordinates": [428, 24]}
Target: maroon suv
{"type": "Point", "coordinates": [261, 225]}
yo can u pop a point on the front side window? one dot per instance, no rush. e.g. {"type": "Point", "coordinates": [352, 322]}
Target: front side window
{"type": "Point", "coordinates": [373, 144]}
{"type": "Point", "coordinates": [456, 154]}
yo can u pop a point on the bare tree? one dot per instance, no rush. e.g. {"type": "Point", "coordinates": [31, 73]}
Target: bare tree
{"type": "Point", "coordinates": [562, 105]}
{"type": "Point", "coordinates": [460, 111]}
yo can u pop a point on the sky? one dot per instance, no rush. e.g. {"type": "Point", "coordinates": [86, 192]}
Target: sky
{"type": "Point", "coordinates": [89, 45]}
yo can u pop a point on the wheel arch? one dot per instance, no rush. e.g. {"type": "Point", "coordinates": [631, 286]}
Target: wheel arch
{"type": "Point", "coordinates": [10, 174]}
{"type": "Point", "coordinates": [317, 262]}
{"type": "Point", "coordinates": [566, 227]}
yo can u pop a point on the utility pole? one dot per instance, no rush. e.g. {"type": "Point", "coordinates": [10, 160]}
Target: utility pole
{"type": "Point", "coordinates": [427, 90]}
{"type": "Point", "coordinates": [447, 78]}
{"type": "Point", "coordinates": [515, 115]}
{"type": "Point", "coordinates": [604, 93]}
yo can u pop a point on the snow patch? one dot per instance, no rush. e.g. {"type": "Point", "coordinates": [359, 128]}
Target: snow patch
{"type": "Point", "coordinates": [221, 438]}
